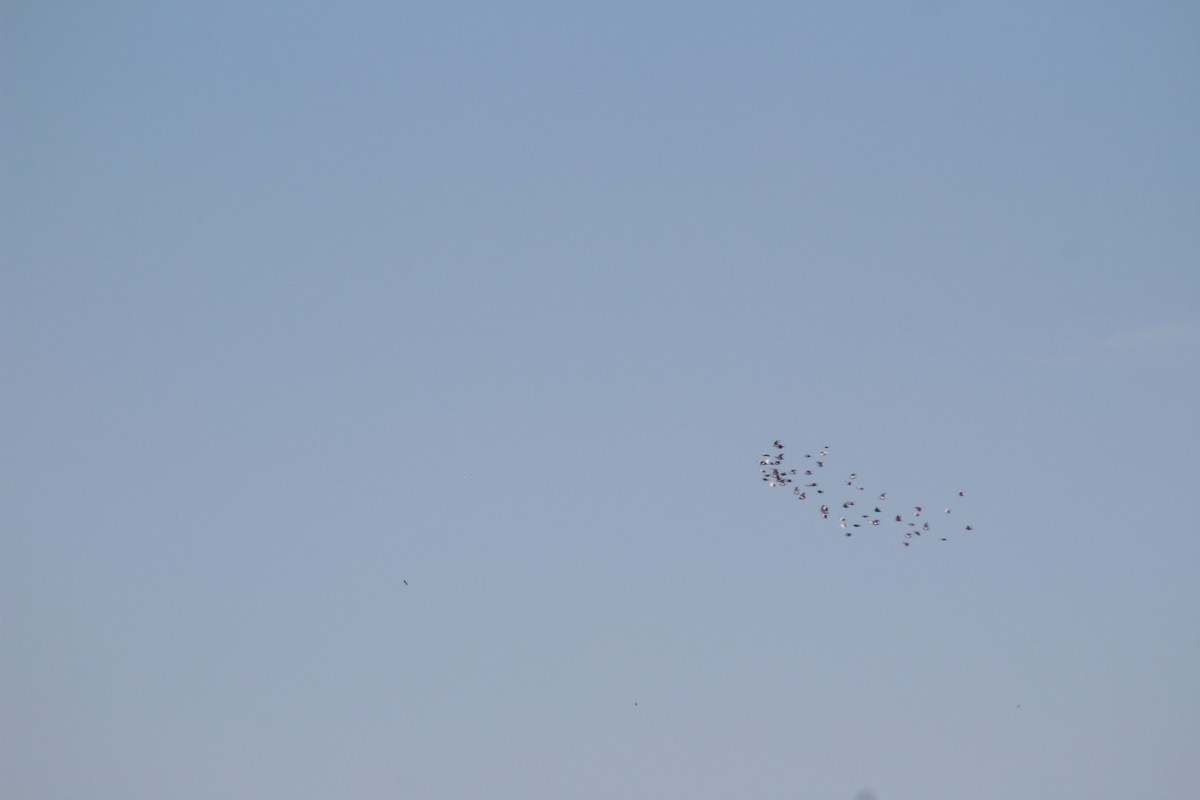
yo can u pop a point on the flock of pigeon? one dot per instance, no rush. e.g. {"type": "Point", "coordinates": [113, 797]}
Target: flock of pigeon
{"type": "Point", "coordinates": [848, 502]}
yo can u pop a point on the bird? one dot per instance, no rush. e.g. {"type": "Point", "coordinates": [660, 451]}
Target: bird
{"type": "Point", "coordinates": [774, 475]}
{"type": "Point", "coordinates": [406, 583]}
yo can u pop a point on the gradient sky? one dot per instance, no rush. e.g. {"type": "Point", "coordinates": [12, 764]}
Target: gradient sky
{"type": "Point", "coordinates": [300, 301]}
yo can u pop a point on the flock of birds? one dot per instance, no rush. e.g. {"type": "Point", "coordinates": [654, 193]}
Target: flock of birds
{"type": "Point", "coordinates": [848, 502]}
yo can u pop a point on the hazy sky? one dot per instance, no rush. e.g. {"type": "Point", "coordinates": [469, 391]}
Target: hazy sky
{"type": "Point", "coordinates": [300, 301]}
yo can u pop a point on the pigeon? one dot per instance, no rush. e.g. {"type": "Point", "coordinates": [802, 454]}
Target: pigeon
{"type": "Point", "coordinates": [774, 475]}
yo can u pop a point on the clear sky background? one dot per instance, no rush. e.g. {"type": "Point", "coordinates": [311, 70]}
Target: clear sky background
{"type": "Point", "coordinates": [300, 301]}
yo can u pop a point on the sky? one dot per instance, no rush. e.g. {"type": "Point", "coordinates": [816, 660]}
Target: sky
{"type": "Point", "coordinates": [382, 389]}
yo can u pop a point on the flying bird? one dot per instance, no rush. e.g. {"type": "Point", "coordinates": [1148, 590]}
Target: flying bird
{"type": "Point", "coordinates": [774, 476]}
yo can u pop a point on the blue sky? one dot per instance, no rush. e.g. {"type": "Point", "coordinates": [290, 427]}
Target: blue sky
{"type": "Point", "coordinates": [300, 301]}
